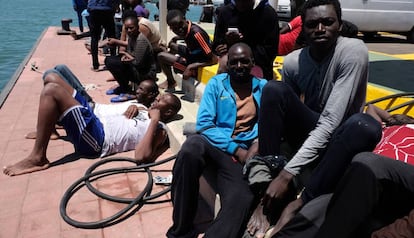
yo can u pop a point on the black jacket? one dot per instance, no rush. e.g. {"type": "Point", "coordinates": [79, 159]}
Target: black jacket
{"type": "Point", "coordinates": [260, 29]}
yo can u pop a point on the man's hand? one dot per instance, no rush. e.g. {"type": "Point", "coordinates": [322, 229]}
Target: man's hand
{"type": "Point", "coordinates": [233, 37]}
{"type": "Point", "coordinates": [112, 41]}
{"type": "Point", "coordinates": [277, 189]}
{"type": "Point", "coordinates": [253, 150]}
{"type": "Point", "coordinates": [221, 49]}
{"type": "Point", "coordinates": [241, 155]}
{"type": "Point", "coordinates": [131, 111]}
{"type": "Point", "coordinates": [173, 47]}
{"type": "Point", "coordinates": [190, 71]}
{"type": "Point", "coordinates": [155, 114]}
{"type": "Point", "coordinates": [126, 57]}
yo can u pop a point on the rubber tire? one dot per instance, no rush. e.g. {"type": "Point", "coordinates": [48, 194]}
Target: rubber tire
{"type": "Point", "coordinates": [410, 35]}
{"type": "Point", "coordinates": [369, 35]}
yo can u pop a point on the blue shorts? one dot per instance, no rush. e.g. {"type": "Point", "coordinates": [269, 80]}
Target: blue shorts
{"type": "Point", "coordinates": [83, 128]}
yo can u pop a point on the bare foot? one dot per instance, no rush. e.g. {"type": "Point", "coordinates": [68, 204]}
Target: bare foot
{"type": "Point", "coordinates": [288, 213]}
{"type": "Point", "coordinates": [32, 135]}
{"type": "Point", "coordinates": [258, 223]}
{"type": "Point", "coordinates": [25, 166]}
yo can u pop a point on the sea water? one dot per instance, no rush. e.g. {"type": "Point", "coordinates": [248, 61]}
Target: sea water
{"type": "Point", "coordinates": [23, 21]}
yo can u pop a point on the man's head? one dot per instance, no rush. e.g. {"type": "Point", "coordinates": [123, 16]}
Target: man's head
{"type": "Point", "coordinates": [168, 104]}
{"type": "Point", "coordinates": [177, 22]}
{"type": "Point", "coordinates": [244, 5]}
{"type": "Point", "coordinates": [322, 24]}
{"type": "Point", "coordinates": [146, 92]}
{"type": "Point", "coordinates": [240, 62]}
{"type": "Point", "coordinates": [130, 21]}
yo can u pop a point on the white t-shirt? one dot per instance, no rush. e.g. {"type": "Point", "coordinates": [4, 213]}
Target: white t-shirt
{"type": "Point", "coordinates": [121, 134]}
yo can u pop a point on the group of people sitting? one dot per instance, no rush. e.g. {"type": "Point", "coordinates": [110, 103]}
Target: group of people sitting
{"type": "Point", "coordinates": [278, 149]}
{"type": "Point", "coordinates": [139, 53]}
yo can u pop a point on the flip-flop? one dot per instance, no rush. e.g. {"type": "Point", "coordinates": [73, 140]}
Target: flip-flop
{"type": "Point", "coordinates": [187, 98]}
{"type": "Point", "coordinates": [123, 97]}
{"type": "Point", "coordinates": [113, 91]}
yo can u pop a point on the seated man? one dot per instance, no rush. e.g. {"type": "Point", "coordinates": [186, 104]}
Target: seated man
{"type": "Point", "coordinates": [227, 127]}
{"type": "Point", "coordinates": [185, 59]}
{"type": "Point", "coordinates": [396, 143]}
{"type": "Point", "coordinates": [374, 192]}
{"type": "Point", "coordinates": [134, 65]}
{"type": "Point", "coordinates": [147, 28]}
{"type": "Point", "coordinates": [317, 111]}
{"type": "Point", "coordinates": [92, 135]}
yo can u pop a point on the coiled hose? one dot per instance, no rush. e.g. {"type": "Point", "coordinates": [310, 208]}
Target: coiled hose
{"type": "Point", "coordinates": [134, 204]}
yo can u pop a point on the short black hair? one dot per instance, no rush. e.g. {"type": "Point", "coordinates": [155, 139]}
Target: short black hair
{"type": "Point", "coordinates": [153, 87]}
{"type": "Point", "coordinates": [129, 14]}
{"type": "Point", "coordinates": [242, 45]}
{"type": "Point", "coordinates": [314, 3]}
{"type": "Point", "coordinates": [174, 13]}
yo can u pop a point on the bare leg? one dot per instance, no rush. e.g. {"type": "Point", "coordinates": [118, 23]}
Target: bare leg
{"type": "Point", "coordinates": [166, 60]}
{"type": "Point", "coordinates": [287, 214]}
{"type": "Point", "coordinates": [258, 223]}
{"type": "Point", "coordinates": [54, 100]}
{"type": "Point", "coordinates": [32, 135]}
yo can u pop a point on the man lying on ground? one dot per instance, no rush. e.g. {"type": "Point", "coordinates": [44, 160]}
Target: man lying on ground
{"type": "Point", "coordinates": [96, 132]}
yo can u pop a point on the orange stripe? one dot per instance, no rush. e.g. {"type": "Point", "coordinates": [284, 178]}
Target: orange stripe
{"type": "Point", "coordinates": [179, 66]}
{"type": "Point", "coordinates": [202, 42]}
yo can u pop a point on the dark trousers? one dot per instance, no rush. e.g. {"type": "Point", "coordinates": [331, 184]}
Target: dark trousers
{"type": "Point", "coordinates": [80, 18]}
{"type": "Point", "coordinates": [287, 117]}
{"type": "Point", "coordinates": [196, 153]}
{"type": "Point", "coordinates": [122, 72]}
{"type": "Point", "coordinates": [99, 19]}
{"type": "Point", "coordinates": [373, 192]}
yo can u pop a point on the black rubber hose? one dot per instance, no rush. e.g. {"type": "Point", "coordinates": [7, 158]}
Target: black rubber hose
{"type": "Point", "coordinates": [134, 204]}
{"type": "Point", "coordinates": [121, 170]}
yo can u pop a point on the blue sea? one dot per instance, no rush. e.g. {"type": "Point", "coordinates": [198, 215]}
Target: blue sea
{"type": "Point", "coordinates": [23, 21]}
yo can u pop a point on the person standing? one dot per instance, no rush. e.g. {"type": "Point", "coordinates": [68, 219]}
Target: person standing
{"type": "Point", "coordinates": [101, 15]}
{"type": "Point", "coordinates": [253, 22]}
{"type": "Point", "coordinates": [79, 6]}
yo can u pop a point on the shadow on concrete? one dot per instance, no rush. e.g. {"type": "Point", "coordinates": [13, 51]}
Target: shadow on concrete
{"type": "Point", "coordinates": [71, 158]}
{"type": "Point", "coordinates": [396, 74]}
{"type": "Point", "coordinates": [385, 39]}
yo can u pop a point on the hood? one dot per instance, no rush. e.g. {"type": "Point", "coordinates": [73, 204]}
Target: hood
{"type": "Point", "coordinates": [257, 3]}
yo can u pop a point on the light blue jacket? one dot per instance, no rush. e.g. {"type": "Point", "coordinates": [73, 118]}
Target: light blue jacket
{"type": "Point", "coordinates": [217, 113]}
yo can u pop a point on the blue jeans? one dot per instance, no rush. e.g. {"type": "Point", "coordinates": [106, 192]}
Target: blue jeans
{"type": "Point", "coordinates": [66, 74]}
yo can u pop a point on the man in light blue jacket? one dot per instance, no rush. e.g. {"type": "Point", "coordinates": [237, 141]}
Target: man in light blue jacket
{"type": "Point", "coordinates": [226, 130]}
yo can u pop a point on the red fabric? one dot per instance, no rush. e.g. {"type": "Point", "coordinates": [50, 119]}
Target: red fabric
{"type": "Point", "coordinates": [287, 40]}
{"type": "Point", "coordinates": [397, 142]}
